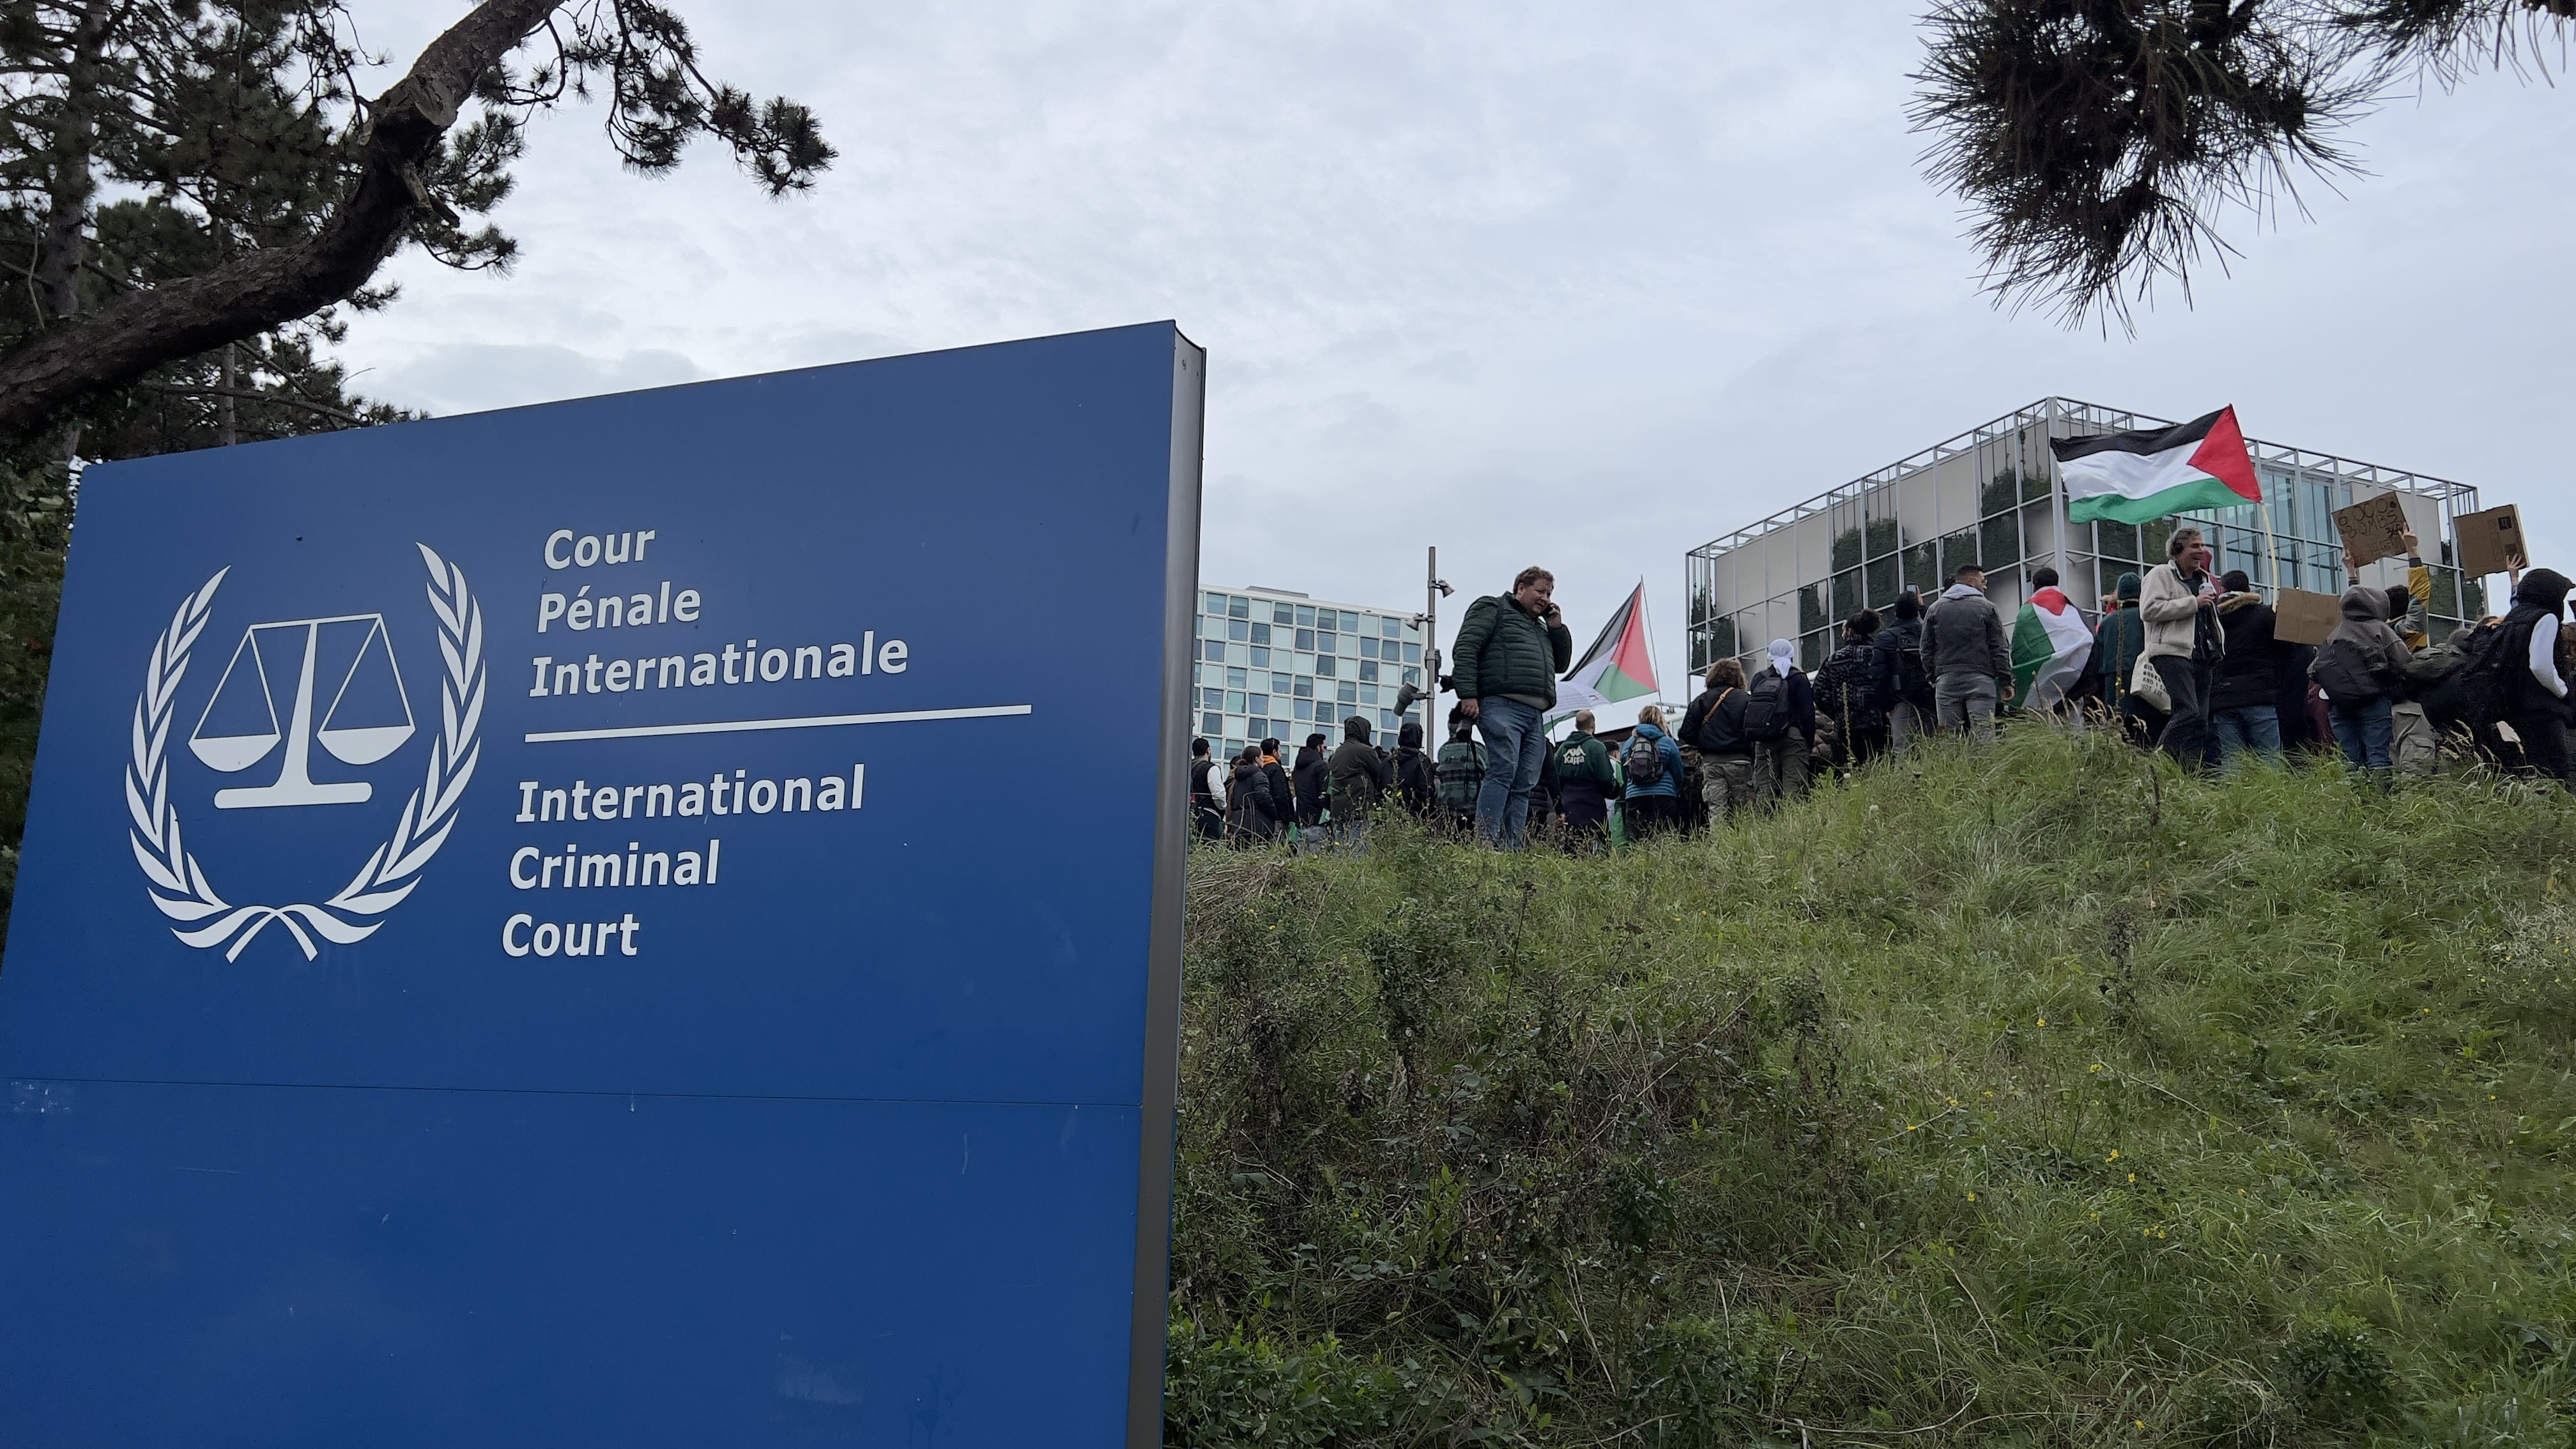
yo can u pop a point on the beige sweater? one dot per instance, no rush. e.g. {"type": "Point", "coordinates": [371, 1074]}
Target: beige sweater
{"type": "Point", "coordinates": [2167, 606]}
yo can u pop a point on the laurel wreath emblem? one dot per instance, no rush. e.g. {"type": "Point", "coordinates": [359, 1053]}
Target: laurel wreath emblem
{"type": "Point", "coordinates": [179, 885]}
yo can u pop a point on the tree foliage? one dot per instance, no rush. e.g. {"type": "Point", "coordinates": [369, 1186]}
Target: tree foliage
{"type": "Point", "coordinates": [2098, 142]}
{"type": "Point", "coordinates": [194, 195]}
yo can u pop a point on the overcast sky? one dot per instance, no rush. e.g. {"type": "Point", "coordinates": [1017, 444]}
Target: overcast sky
{"type": "Point", "coordinates": [1528, 282]}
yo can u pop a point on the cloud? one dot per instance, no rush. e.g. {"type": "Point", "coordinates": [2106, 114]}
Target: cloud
{"type": "Point", "coordinates": [465, 377]}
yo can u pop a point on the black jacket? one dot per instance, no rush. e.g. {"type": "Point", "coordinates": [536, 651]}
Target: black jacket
{"type": "Point", "coordinates": [1310, 784]}
{"type": "Point", "coordinates": [1505, 649]}
{"type": "Point", "coordinates": [2249, 673]}
{"type": "Point", "coordinates": [1282, 793]}
{"type": "Point", "coordinates": [1250, 807]}
{"type": "Point", "coordinates": [1898, 644]}
{"type": "Point", "coordinates": [1847, 689]}
{"type": "Point", "coordinates": [1714, 723]}
{"type": "Point", "coordinates": [1413, 783]}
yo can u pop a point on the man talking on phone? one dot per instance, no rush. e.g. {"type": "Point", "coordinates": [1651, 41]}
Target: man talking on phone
{"type": "Point", "coordinates": [1509, 651]}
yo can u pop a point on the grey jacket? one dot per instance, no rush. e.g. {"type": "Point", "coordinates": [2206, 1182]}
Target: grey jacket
{"type": "Point", "coordinates": [1964, 635]}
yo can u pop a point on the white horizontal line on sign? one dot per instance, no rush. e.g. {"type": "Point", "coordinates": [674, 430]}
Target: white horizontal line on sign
{"type": "Point", "coordinates": [806, 722]}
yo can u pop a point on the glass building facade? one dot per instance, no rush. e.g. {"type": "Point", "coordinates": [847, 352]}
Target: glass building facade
{"type": "Point", "coordinates": [1991, 496]}
{"type": "Point", "coordinates": [1277, 665]}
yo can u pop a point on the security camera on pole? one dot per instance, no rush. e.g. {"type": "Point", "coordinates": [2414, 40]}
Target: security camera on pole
{"type": "Point", "coordinates": [1427, 693]}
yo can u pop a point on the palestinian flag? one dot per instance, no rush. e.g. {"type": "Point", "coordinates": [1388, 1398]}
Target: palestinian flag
{"type": "Point", "coordinates": [2140, 476]}
{"type": "Point", "coordinates": [1616, 667]}
{"type": "Point", "coordinates": [2049, 646]}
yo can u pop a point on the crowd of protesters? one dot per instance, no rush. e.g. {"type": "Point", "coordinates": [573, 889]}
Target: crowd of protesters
{"type": "Point", "coordinates": [2181, 661]}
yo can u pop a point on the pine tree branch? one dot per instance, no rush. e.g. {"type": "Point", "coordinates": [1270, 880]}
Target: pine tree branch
{"type": "Point", "coordinates": [58, 369]}
{"type": "Point", "coordinates": [251, 394]}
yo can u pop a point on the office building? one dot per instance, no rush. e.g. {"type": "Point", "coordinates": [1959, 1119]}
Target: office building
{"type": "Point", "coordinates": [1280, 665]}
{"type": "Point", "coordinates": [1991, 496]}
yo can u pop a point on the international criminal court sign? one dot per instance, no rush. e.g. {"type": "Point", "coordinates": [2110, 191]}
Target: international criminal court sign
{"type": "Point", "coordinates": [558, 927]}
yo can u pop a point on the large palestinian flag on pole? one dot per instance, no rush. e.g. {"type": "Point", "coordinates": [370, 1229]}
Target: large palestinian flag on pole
{"type": "Point", "coordinates": [2049, 647]}
{"type": "Point", "coordinates": [2140, 476]}
{"type": "Point", "coordinates": [1616, 667]}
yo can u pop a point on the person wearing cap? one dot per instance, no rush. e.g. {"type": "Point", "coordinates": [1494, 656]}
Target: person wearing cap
{"type": "Point", "coordinates": [1965, 652]}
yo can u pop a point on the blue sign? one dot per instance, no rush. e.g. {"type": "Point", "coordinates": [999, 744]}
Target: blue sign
{"type": "Point", "coordinates": [647, 920]}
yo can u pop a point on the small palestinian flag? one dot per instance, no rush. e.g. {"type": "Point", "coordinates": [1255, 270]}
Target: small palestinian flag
{"type": "Point", "coordinates": [2140, 476]}
{"type": "Point", "coordinates": [1616, 667]}
{"type": "Point", "coordinates": [2049, 646]}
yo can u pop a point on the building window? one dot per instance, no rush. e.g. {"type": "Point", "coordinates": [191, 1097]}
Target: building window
{"type": "Point", "coordinates": [1305, 618]}
{"type": "Point", "coordinates": [1260, 704]}
{"type": "Point", "coordinates": [1234, 679]}
{"type": "Point", "coordinates": [1281, 614]}
{"type": "Point", "coordinates": [1368, 647]}
{"type": "Point", "coordinates": [1234, 701]}
{"type": "Point", "coordinates": [1305, 688]}
{"type": "Point", "coordinates": [1324, 666]}
{"type": "Point", "coordinates": [1211, 724]}
{"type": "Point", "coordinates": [1349, 648]}
{"type": "Point", "coordinates": [1349, 692]}
{"type": "Point", "coordinates": [1304, 664]}
{"type": "Point", "coordinates": [1260, 633]}
{"type": "Point", "coordinates": [1238, 654]}
{"type": "Point", "coordinates": [1324, 637]}
{"type": "Point", "coordinates": [1213, 651]}
{"type": "Point", "coordinates": [1260, 657]}
{"type": "Point", "coordinates": [1393, 627]}
{"type": "Point", "coordinates": [1237, 629]}
{"type": "Point", "coordinates": [1412, 653]}
{"type": "Point", "coordinates": [1306, 638]}
{"type": "Point", "coordinates": [1238, 608]}
{"type": "Point", "coordinates": [1350, 622]}
{"type": "Point", "coordinates": [1368, 670]}
{"type": "Point", "coordinates": [1216, 603]}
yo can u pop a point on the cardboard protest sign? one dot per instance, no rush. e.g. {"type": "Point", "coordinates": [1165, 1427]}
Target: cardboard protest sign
{"type": "Point", "coordinates": [2490, 541]}
{"type": "Point", "coordinates": [2373, 529]}
{"type": "Point", "coordinates": [2301, 617]}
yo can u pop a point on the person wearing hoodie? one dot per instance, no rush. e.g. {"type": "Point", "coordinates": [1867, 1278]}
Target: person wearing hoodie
{"type": "Point", "coordinates": [1904, 690]}
{"type": "Point", "coordinates": [1358, 780]}
{"type": "Point", "coordinates": [1965, 653]}
{"type": "Point", "coordinates": [2117, 642]}
{"type": "Point", "coordinates": [1310, 782]}
{"type": "Point", "coordinates": [1780, 719]}
{"type": "Point", "coordinates": [1651, 804]}
{"type": "Point", "coordinates": [2184, 644]}
{"type": "Point", "coordinates": [2358, 671]}
{"type": "Point", "coordinates": [2244, 713]}
{"type": "Point", "coordinates": [2536, 686]}
{"type": "Point", "coordinates": [1585, 782]}
{"type": "Point", "coordinates": [1413, 783]}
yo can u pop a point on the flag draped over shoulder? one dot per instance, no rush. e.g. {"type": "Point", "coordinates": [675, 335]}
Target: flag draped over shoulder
{"type": "Point", "coordinates": [2138, 476]}
{"type": "Point", "coordinates": [2049, 646]}
{"type": "Point", "coordinates": [1616, 667]}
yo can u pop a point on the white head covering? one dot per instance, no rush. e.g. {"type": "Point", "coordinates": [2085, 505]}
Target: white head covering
{"type": "Point", "coordinates": [1782, 658]}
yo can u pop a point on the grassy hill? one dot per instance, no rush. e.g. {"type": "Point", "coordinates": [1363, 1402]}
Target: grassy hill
{"type": "Point", "coordinates": [2034, 1096]}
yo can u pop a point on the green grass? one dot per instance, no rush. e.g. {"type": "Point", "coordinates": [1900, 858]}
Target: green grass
{"type": "Point", "coordinates": [2036, 1096]}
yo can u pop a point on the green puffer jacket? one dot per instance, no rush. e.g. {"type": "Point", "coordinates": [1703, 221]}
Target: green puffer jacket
{"type": "Point", "coordinates": [1503, 649]}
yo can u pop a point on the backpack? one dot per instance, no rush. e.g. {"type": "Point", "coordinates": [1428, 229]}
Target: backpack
{"type": "Point", "coordinates": [1460, 772]}
{"type": "Point", "coordinates": [1913, 686]}
{"type": "Point", "coordinates": [2462, 680]}
{"type": "Point", "coordinates": [2346, 675]}
{"type": "Point", "coordinates": [1643, 759]}
{"type": "Point", "coordinates": [1766, 707]}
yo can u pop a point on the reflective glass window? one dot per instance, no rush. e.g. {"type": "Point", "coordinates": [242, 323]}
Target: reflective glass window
{"type": "Point", "coordinates": [1213, 649]}
{"type": "Point", "coordinates": [1305, 688]}
{"type": "Point", "coordinates": [1368, 670]}
{"type": "Point", "coordinates": [1236, 727]}
{"type": "Point", "coordinates": [1234, 679]}
{"type": "Point", "coordinates": [1238, 608]}
{"type": "Point", "coordinates": [1390, 719]}
{"type": "Point", "coordinates": [1305, 709]}
{"type": "Point", "coordinates": [1324, 665]}
{"type": "Point", "coordinates": [1234, 701]}
{"type": "Point", "coordinates": [1215, 603]}
{"type": "Point", "coordinates": [1305, 615]}
{"type": "Point", "coordinates": [1391, 627]}
{"type": "Point", "coordinates": [1282, 614]}
{"type": "Point", "coordinates": [1349, 648]}
{"type": "Point", "coordinates": [1237, 629]}
{"type": "Point", "coordinates": [1324, 641]}
{"type": "Point", "coordinates": [1368, 647]}
{"type": "Point", "coordinates": [1412, 653]}
{"type": "Point", "coordinates": [1261, 704]}
{"type": "Point", "coordinates": [1305, 638]}
{"type": "Point", "coordinates": [1349, 692]}
{"type": "Point", "coordinates": [1260, 633]}
{"type": "Point", "coordinates": [1258, 728]}
{"type": "Point", "coordinates": [1279, 684]}
{"type": "Point", "coordinates": [1413, 676]}
{"type": "Point", "coordinates": [1260, 657]}
{"type": "Point", "coordinates": [1210, 724]}
{"type": "Point", "coordinates": [1238, 654]}
{"type": "Point", "coordinates": [1304, 664]}
{"type": "Point", "coordinates": [1350, 622]}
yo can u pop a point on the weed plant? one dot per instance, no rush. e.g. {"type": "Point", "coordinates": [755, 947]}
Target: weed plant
{"type": "Point", "coordinates": [2035, 1095]}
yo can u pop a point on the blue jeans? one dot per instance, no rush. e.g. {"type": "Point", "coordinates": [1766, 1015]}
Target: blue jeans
{"type": "Point", "coordinates": [2251, 729]}
{"type": "Point", "coordinates": [2366, 732]}
{"type": "Point", "coordinates": [1515, 750]}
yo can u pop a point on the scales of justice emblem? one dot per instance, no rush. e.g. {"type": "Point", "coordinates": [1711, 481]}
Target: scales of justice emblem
{"type": "Point", "coordinates": [292, 685]}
